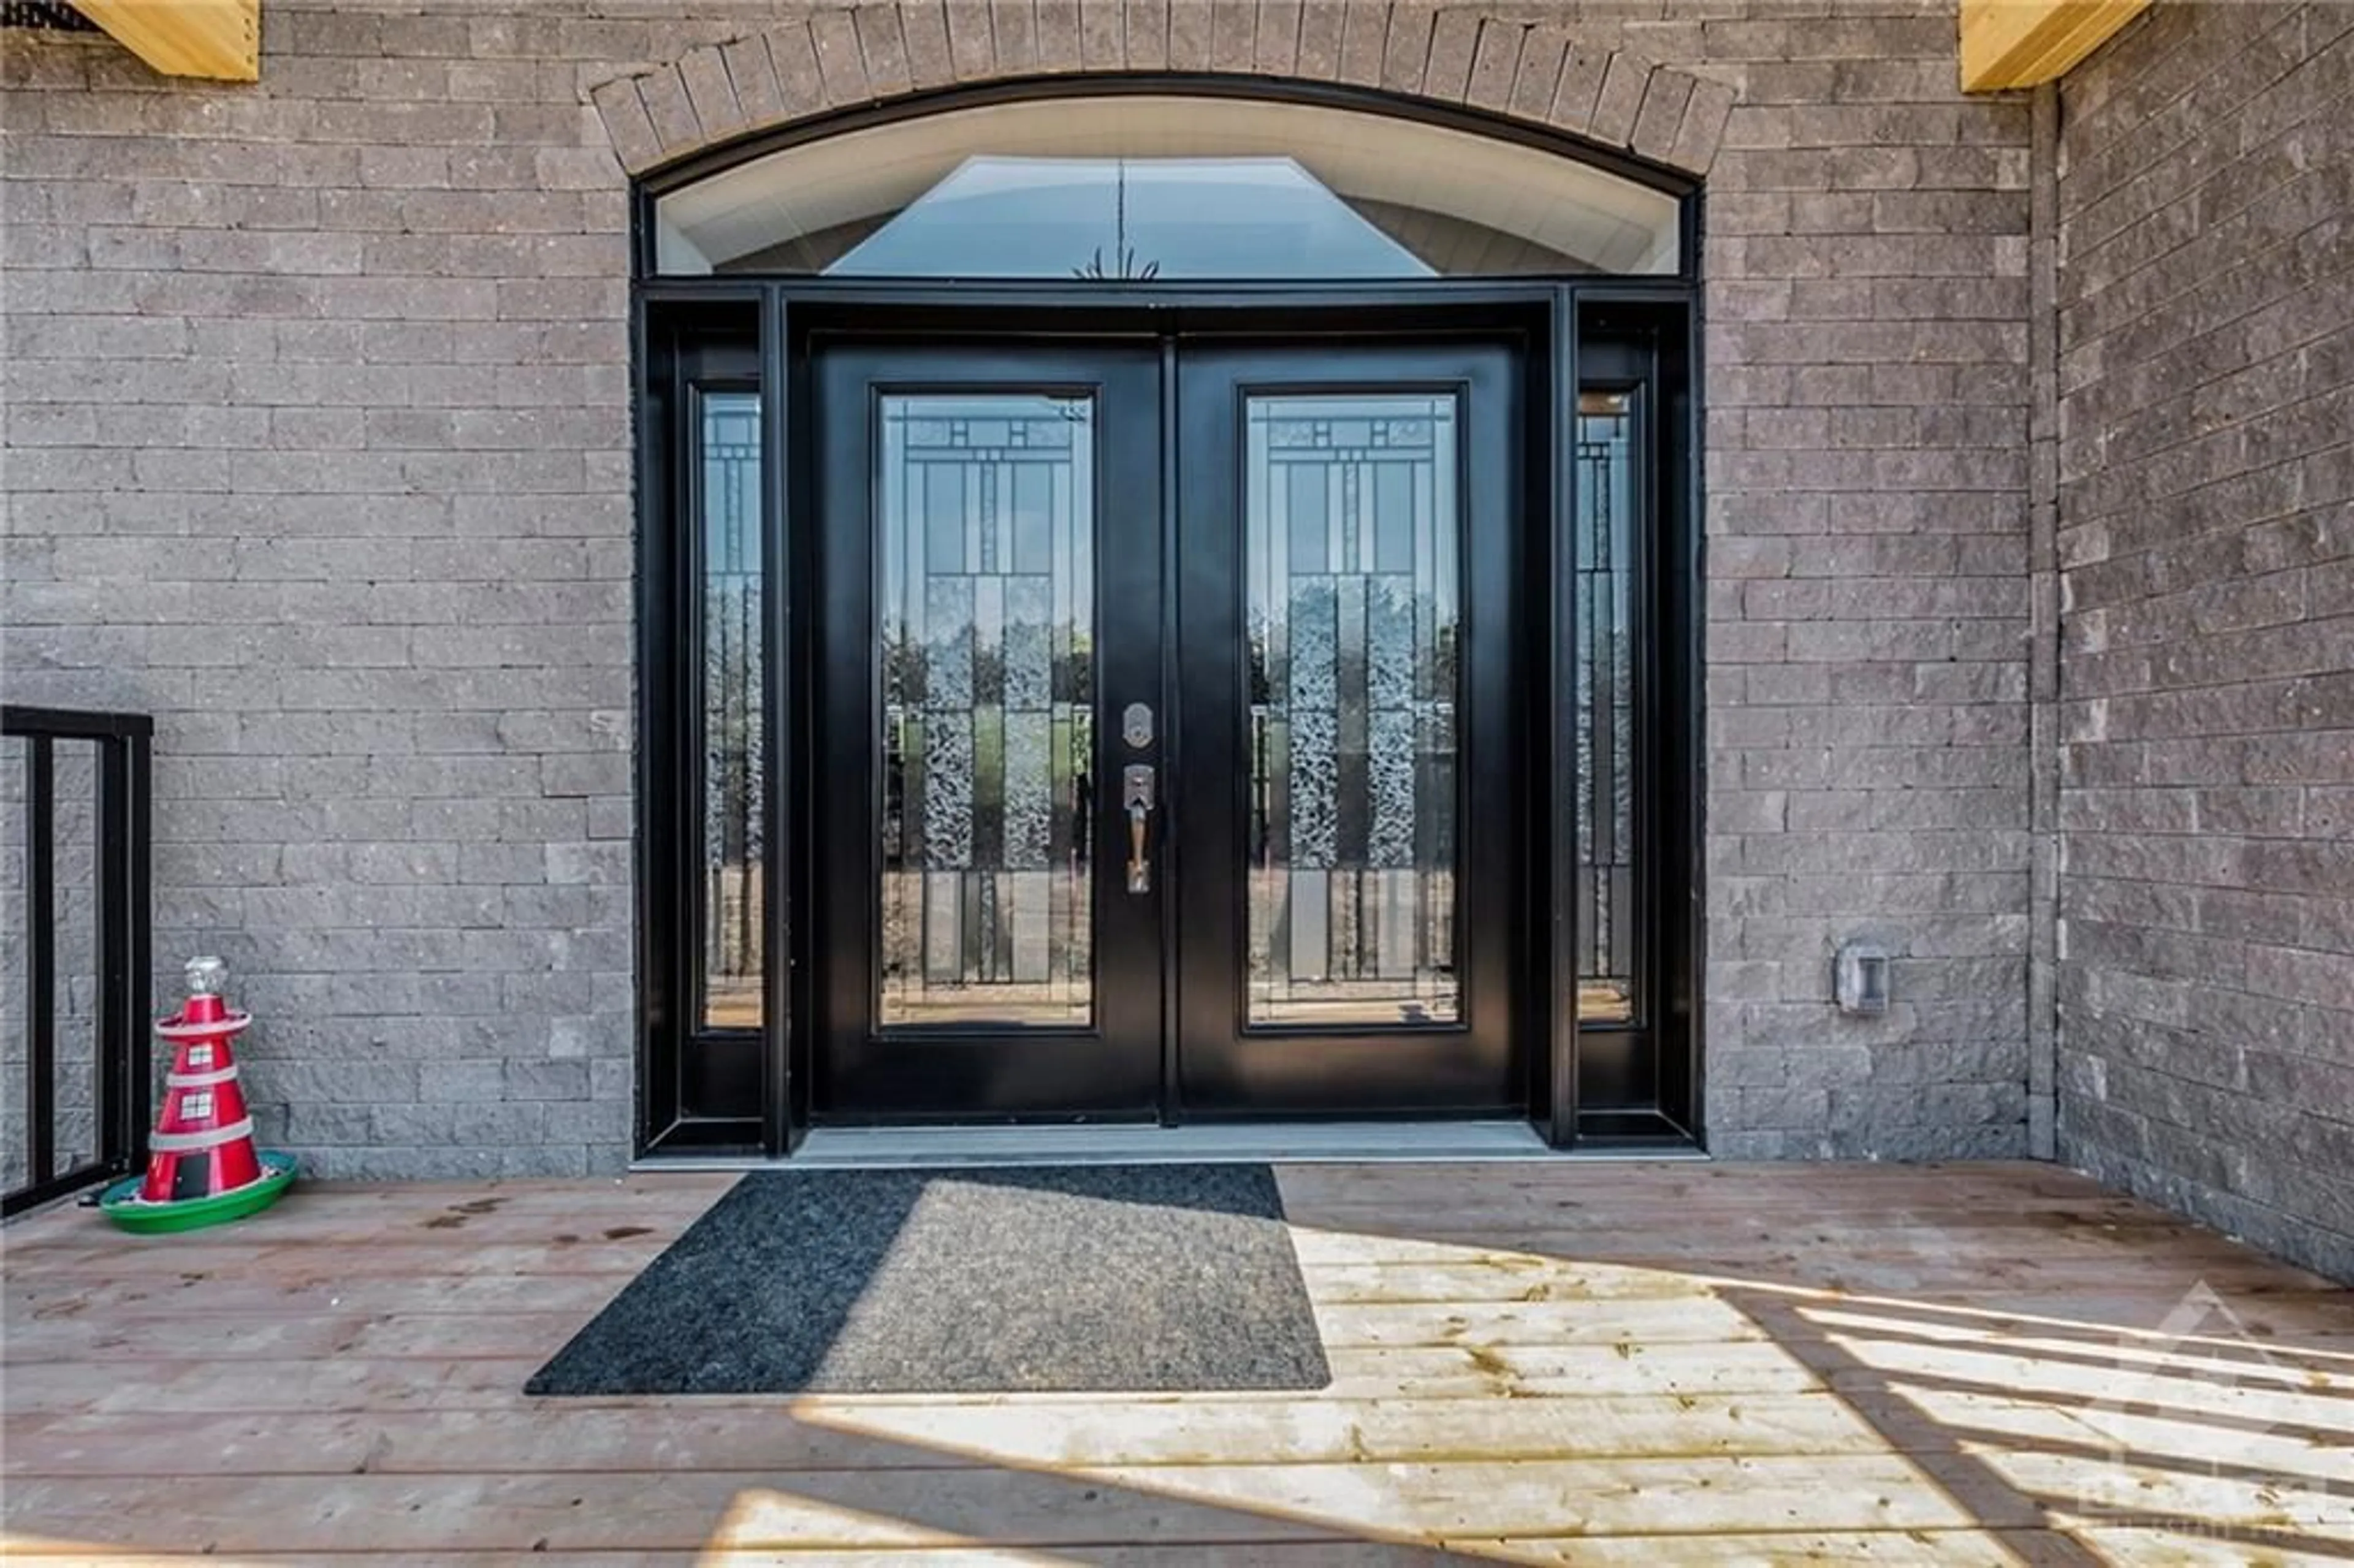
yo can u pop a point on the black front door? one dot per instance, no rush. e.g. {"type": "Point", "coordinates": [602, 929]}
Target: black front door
{"type": "Point", "coordinates": [1167, 753]}
{"type": "Point", "coordinates": [1351, 786]}
{"type": "Point", "coordinates": [990, 567]}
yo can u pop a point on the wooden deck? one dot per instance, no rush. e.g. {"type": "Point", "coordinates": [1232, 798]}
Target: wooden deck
{"type": "Point", "coordinates": [1552, 1362]}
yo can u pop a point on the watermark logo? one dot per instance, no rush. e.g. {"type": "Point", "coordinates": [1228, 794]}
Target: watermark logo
{"type": "Point", "coordinates": [2205, 1432]}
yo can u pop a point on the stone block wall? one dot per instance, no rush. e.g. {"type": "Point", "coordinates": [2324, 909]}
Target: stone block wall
{"type": "Point", "coordinates": [1868, 386]}
{"type": "Point", "coordinates": [317, 448]}
{"type": "Point", "coordinates": [317, 435]}
{"type": "Point", "coordinates": [2206, 204]}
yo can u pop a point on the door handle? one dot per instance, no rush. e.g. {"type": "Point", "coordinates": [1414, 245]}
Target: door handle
{"type": "Point", "coordinates": [1136, 794]}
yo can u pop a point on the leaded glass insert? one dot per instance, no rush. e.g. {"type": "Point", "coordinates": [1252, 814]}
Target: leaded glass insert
{"type": "Point", "coordinates": [1602, 718]}
{"type": "Point", "coordinates": [986, 615]}
{"type": "Point", "coordinates": [728, 523]}
{"type": "Point", "coordinates": [1352, 609]}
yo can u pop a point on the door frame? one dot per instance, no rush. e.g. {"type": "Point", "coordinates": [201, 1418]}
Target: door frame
{"type": "Point", "coordinates": [746, 1094]}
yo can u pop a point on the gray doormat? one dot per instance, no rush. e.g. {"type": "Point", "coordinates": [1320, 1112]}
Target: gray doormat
{"type": "Point", "coordinates": [1175, 1278]}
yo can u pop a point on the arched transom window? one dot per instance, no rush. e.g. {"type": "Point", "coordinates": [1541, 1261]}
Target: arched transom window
{"type": "Point", "coordinates": [1166, 186]}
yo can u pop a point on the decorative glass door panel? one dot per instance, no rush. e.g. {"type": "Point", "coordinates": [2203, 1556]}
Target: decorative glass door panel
{"type": "Point", "coordinates": [986, 523]}
{"type": "Point", "coordinates": [1353, 588]}
{"type": "Point", "coordinates": [735, 708]}
{"type": "Point", "coordinates": [1603, 703]}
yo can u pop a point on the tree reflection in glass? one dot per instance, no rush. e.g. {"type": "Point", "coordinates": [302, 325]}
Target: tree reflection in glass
{"type": "Point", "coordinates": [985, 609]}
{"type": "Point", "coordinates": [1352, 614]}
{"type": "Point", "coordinates": [733, 710]}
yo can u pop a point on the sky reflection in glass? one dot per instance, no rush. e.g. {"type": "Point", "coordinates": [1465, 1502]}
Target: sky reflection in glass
{"type": "Point", "coordinates": [1129, 218]}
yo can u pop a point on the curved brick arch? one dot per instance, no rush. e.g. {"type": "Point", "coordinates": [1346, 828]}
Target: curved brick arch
{"type": "Point", "coordinates": [878, 50]}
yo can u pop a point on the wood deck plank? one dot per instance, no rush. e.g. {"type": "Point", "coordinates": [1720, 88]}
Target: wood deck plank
{"type": "Point", "coordinates": [1531, 1362]}
{"type": "Point", "coordinates": [821, 1435]}
{"type": "Point", "coordinates": [809, 1510]}
{"type": "Point", "coordinates": [1903, 1549]}
{"type": "Point", "coordinates": [1205, 1505]}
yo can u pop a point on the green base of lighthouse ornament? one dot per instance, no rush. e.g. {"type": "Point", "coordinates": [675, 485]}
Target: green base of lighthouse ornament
{"type": "Point", "coordinates": [202, 1167]}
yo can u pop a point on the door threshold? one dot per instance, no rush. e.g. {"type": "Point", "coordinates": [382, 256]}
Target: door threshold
{"type": "Point", "coordinates": [1274, 1143]}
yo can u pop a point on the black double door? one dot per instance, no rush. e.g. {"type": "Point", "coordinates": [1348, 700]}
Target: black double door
{"type": "Point", "coordinates": [1167, 724]}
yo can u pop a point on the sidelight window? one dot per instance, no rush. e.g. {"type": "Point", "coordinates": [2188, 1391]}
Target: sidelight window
{"type": "Point", "coordinates": [1603, 703]}
{"type": "Point", "coordinates": [727, 486]}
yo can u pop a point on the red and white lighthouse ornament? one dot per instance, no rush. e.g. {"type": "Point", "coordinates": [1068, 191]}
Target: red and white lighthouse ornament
{"type": "Point", "coordinates": [203, 1143]}
{"type": "Point", "coordinates": [202, 1166]}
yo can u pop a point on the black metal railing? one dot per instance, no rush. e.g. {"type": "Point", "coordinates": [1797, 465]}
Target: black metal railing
{"type": "Point", "coordinates": [122, 933]}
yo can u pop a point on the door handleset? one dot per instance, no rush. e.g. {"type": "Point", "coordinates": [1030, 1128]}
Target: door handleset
{"type": "Point", "coordinates": [1136, 795]}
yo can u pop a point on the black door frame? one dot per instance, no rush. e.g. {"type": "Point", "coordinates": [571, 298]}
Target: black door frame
{"type": "Point", "coordinates": [745, 1093]}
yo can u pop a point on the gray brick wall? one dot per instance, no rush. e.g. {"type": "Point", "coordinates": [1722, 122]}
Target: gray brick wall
{"type": "Point", "coordinates": [316, 415]}
{"type": "Point", "coordinates": [1867, 385]}
{"type": "Point", "coordinates": [2207, 508]}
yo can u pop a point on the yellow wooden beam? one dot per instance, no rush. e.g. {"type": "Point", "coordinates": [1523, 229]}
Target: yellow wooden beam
{"type": "Point", "coordinates": [2017, 43]}
{"type": "Point", "coordinates": [219, 39]}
